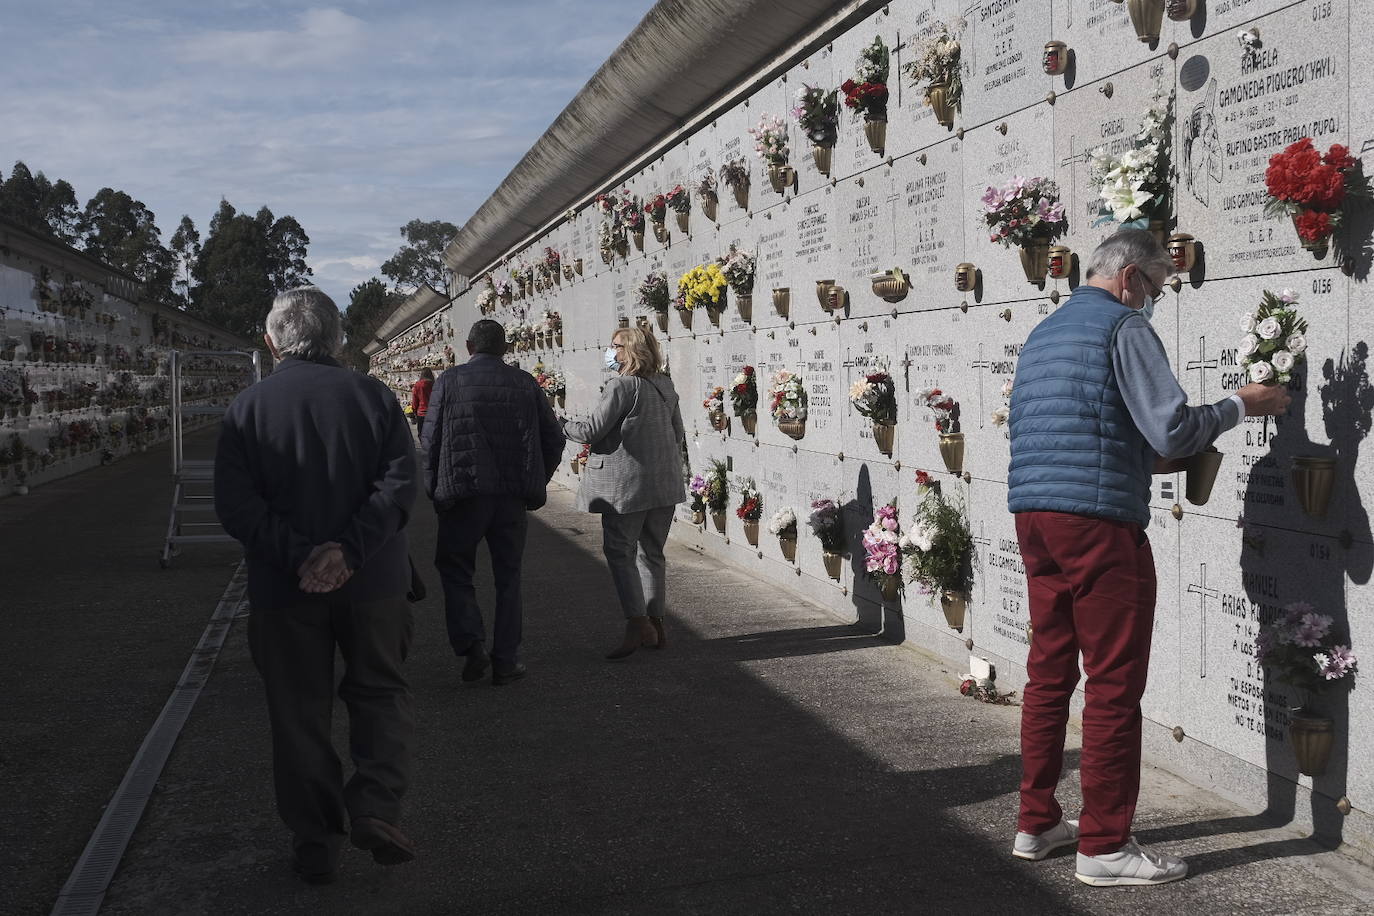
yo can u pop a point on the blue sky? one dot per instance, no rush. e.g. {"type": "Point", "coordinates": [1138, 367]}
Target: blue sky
{"type": "Point", "coordinates": [354, 117]}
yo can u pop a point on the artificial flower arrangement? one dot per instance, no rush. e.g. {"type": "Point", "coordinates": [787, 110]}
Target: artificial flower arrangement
{"type": "Point", "coordinates": [875, 396]}
{"type": "Point", "coordinates": [787, 403]}
{"type": "Point", "coordinates": [826, 521]}
{"type": "Point", "coordinates": [1024, 211]}
{"type": "Point", "coordinates": [657, 209]}
{"type": "Point", "coordinates": [1275, 341]}
{"type": "Point", "coordinates": [738, 267]}
{"type": "Point", "coordinates": [750, 508]}
{"type": "Point", "coordinates": [818, 114]}
{"type": "Point", "coordinates": [631, 215]}
{"type": "Point", "coordinates": [1302, 648]}
{"type": "Point", "coordinates": [938, 548]}
{"type": "Point", "coordinates": [744, 393]}
{"type": "Point", "coordinates": [715, 407]}
{"type": "Point", "coordinates": [770, 145]}
{"type": "Point", "coordinates": [882, 551]}
{"type": "Point", "coordinates": [1001, 414]}
{"type": "Point", "coordinates": [486, 299]}
{"type": "Point", "coordinates": [868, 94]}
{"type": "Point", "coordinates": [1314, 189]}
{"type": "Point", "coordinates": [653, 293]}
{"type": "Point", "coordinates": [718, 492]}
{"type": "Point", "coordinates": [945, 410]}
{"type": "Point", "coordinates": [936, 71]}
{"type": "Point", "coordinates": [735, 176]}
{"type": "Point", "coordinates": [706, 193]}
{"type": "Point", "coordinates": [505, 292]}
{"type": "Point", "coordinates": [552, 381]}
{"type": "Point", "coordinates": [698, 489]}
{"type": "Point", "coordinates": [1135, 186]}
{"type": "Point", "coordinates": [783, 524]}
{"type": "Point", "coordinates": [702, 286]}
{"type": "Point", "coordinates": [678, 200]}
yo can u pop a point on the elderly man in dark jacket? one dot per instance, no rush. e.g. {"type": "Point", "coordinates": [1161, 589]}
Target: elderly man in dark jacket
{"type": "Point", "coordinates": [315, 474]}
{"type": "Point", "coordinates": [492, 443]}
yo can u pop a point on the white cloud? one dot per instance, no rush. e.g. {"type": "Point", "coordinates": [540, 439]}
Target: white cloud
{"type": "Point", "coordinates": [324, 38]}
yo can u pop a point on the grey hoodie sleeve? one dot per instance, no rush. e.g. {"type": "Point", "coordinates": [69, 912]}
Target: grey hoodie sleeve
{"type": "Point", "coordinates": [1157, 403]}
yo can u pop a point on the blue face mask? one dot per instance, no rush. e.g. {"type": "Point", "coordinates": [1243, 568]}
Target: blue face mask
{"type": "Point", "coordinates": [611, 363]}
{"type": "Point", "coordinates": [1148, 310]}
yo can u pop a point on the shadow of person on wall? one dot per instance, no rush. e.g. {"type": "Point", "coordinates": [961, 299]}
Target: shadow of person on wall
{"type": "Point", "coordinates": [1287, 556]}
{"type": "Point", "coordinates": [872, 612]}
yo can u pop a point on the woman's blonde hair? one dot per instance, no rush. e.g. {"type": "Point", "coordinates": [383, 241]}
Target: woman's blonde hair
{"type": "Point", "coordinates": [642, 356]}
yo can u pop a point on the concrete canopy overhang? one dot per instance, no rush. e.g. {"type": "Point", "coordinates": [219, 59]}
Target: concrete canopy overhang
{"type": "Point", "coordinates": [422, 303]}
{"type": "Point", "coordinates": [653, 87]}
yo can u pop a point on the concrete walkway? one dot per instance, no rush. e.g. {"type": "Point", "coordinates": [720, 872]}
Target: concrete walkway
{"type": "Point", "coordinates": [772, 760]}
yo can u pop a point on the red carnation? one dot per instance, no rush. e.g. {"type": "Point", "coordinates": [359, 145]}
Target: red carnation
{"type": "Point", "coordinates": [922, 479]}
{"type": "Point", "coordinates": [1339, 157]}
{"type": "Point", "coordinates": [748, 370]}
{"type": "Point", "coordinates": [1314, 225]}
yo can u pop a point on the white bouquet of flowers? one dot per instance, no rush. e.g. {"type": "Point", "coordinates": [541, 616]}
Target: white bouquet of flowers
{"type": "Point", "coordinates": [1275, 341]}
{"type": "Point", "coordinates": [783, 523]}
{"type": "Point", "coordinates": [1002, 413]}
{"type": "Point", "coordinates": [788, 396]}
{"type": "Point", "coordinates": [1135, 185]}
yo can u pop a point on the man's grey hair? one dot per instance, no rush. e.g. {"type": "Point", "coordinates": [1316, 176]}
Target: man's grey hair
{"type": "Point", "coordinates": [305, 323]}
{"type": "Point", "coordinates": [488, 336]}
{"type": "Point", "coordinates": [1126, 247]}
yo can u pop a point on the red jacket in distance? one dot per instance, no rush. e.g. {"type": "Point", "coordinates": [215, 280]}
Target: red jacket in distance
{"type": "Point", "coordinates": [419, 396]}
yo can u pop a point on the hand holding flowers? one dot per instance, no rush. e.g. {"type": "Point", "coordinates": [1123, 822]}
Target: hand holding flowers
{"type": "Point", "coordinates": [1275, 341]}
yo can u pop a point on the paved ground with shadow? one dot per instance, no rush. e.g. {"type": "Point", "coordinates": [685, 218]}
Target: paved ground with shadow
{"type": "Point", "coordinates": [772, 760]}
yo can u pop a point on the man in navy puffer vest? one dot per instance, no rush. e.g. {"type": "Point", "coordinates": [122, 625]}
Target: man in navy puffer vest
{"type": "Point", "coordinates": [1095, 410]}
{"type": "Point", "coordinates": [492, 443]}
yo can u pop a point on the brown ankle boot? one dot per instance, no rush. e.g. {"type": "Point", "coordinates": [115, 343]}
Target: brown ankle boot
{"type": "Point", "coordinates": [660, 631]}
{"type": "Point", "coordinates": [638, 632]}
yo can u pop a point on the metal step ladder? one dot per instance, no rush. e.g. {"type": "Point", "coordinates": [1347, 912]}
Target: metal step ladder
{"type": "Point", "coordinates": [192, 519]}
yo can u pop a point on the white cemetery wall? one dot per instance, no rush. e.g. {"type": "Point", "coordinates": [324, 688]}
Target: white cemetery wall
{"type": "Point", "coordinates": [916, 206]}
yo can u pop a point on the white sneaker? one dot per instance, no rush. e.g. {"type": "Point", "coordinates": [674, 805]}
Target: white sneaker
{"type": "Point", "coordinates": [1036, 847]}
{"type": "Point", "coordinates": [1130, 865]}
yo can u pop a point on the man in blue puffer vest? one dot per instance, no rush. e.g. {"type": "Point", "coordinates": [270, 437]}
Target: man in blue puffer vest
{"type": "Point", "coordinates": [1095, 410]}
{"type": "Point", "coordinates": [491, 443]}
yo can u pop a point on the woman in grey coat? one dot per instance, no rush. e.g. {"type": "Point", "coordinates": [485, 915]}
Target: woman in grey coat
{"type": "Point", "coordinates": [633, 478]}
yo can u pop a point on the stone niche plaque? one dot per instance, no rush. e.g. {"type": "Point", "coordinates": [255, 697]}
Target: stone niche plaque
{"type": "Point", "coordinates": [932, 357]}
{"type": "Point", "coordinates": [866, 212]}
{"type": "Point", "coordinates": [815, 254]}
{"type": "Point", "coordinates": [872, 484]}
{"type": "Point", "coordinates": [852, 153]}
{"type": "Point", "coordinates": [780, 485]}
{"type": "Point", "coordinates": [732, 129]}
{"type": "Point", "coordinates": [1255, 480]}
{"type": "Point", "coordinates": [1085, 122]}
{"type": "Point", "coordinates": [776, 350]}
{"type": "Point", "coordinates": [1226, 588]}
{"type": "Point", "coordinates": [1002, 47]}
{"type": "Point", "coordinates": [999, 613]}
{"type": "Point", "coordinates": [985, 361]}
{"type": "Point", "coordinates": [821, 477]}
{"type": "Point", "coordinates": [827, 422]}
{"type": "Point", "coordinates": [864, 350]}
{"type": "Point", "coordinates": [929, 232]}
{"type": "Point", "coordinates": [1104, 42]}
{"type": "Point", "coordinates": [815, 71]}
{"type": "Point", "coordinates": [711, 371]}
{"type": "Point", "coordinates": [1235, 111]}
{"type": "Point", "coordinates": [912, 125]}
{"type": "Point", "coordinates": [1025, 150]}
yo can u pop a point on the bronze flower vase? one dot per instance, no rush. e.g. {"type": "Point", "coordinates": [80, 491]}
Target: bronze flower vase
{"type": "Point", "coordinates": [660, 232]}
{"type": "Point", "coordinates": [718, 519]}
{"type": "Point", "coordinates": [782, 301]}
{"type": "Point", "coordinates": [698, 517]}
{"type": "Point", "coordinates": [955, 606]}
{"type": "Point", "coordinates": [788, 546]}
{"type": "Point", "coordinates": [952, 451]}
{"type": "Point", "coordinates": [710, 204]}
{"type": "Point", "coordinates": [742, 196]}
{"type": "Point", "coordinates": [876, 134]}
{"type": "Point", "coordinates": [823, 156]}
{"type": "Point", "coordinates": [937, 96]}
{"type": "Point", "coordinates": [890, 588]}
{"type": "Point", "coordinates": [832, 562]}
{"type": "Point", "coordinates": [1202, 474]}
{"type": "Point", "coordinates": [682, 217]}
{"type": "Point", "coordinates": [662, 321]}
{"type": "Point", "coordinates": [1035, 260]}
{"type": "Point", "coordinates": [751, 533]}
{"type": "Point", "coordinates": [744, 304]}
{"type": "Point", "coordinates": [1147, 16]}
{"type": "Point", "coordinates": [686, 316]}
{"type": "Point", "coordinates": [638, 239]}
{"type": "Point", "coordinates": [750, 422]}
{"type": "Point", "coordinates": [719, 421]}
{"type": "Point", "coordinates": [1312, 737]}
{"type": "Point", "coordinates": [1313, 480]}
{"type": "Point", "coordinates": [883, 434]}
{"type": "Point", "coordinates": [794, 428]}
{"type": "Point", "coordinates": [575, 466]}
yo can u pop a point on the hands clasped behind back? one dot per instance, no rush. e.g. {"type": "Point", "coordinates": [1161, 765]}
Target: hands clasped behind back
{"type": "Point", "coordinates": [325, 569]}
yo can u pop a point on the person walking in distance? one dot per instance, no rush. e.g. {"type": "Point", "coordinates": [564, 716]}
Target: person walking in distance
{"type": "Point", "coordinates": [633, 478]}
{"type": "Point", "coordinates": [419, 398]}
{"type": "Point", "coordinates": [315, 475]}
{"type": "Point", "coordinates": [1095, 410]}
{"type": "Point", "coordinates": [491, 443]}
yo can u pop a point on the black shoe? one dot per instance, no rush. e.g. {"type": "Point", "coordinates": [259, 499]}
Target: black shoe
{"type": "Point", "coordinates": [476, 665]}
{"type": "Point", "coordinates": [502, 676]}
{"type": "Point", "coordinates": [386, 842]}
